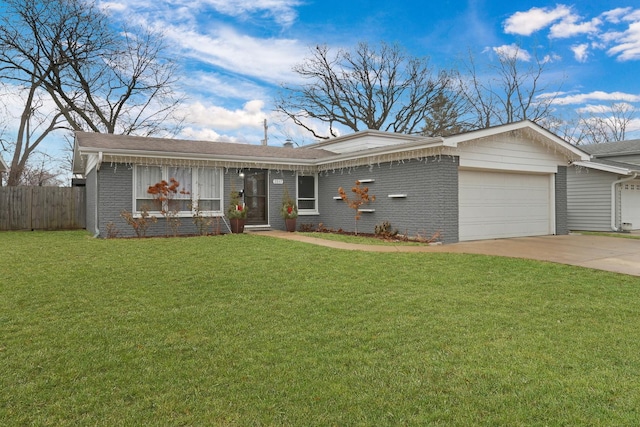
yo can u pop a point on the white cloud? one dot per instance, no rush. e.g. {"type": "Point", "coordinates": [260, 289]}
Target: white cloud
{"type": "Point", "coordinates": [251, 115]}
{"type": "Point", "coordinates": [112, 6]}
{"type": "Point", "coordinates": [627, 43]}
{"type": "Point", "coordinates": [570, 27]}
{"type": "Point", "coordinates": [596, 96]}
{"type": "Point", "coordinates": [535, 19]}
{"type": "Point", "coordinates": [212, 87]}
{"type": "Point", "coordinates": [616, 15]}
{"type": "Point", "coordinates": [512, 51]}
{"type": "Point", "coordinates": [281, 11]}
{"type": "Point", "coordinates": [605, 108]}
{"type": "Point", "coordinates": [581, 52]}
{"type": "Point", "coordinates": [269, 60]}
{"type": "Point", "coordinates": [616, 31]}
{"type": "Point", "coordinates": [206, 135]}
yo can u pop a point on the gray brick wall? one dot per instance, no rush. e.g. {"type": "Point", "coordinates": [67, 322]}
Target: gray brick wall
{"type": "Point", "coordinates": [115, 187]}
{"type": "Point", "coordinates": [562, 226]}
{"type": "Point", "coordinates": [431, 205]}
{"type": "Point", "coordinates": [276, 192]}
{"type": "Point", "coordinates": [115, 183]}
{"type": "Point", "coordinates": [91, 188]}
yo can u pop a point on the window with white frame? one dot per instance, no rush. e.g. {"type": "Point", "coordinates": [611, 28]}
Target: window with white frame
{"type": "Point", "coordinates": [307, 194]}
{"type": "Point", "coordinates": [209, 186]}
{"type": "Point", "coordinates": [196, 185]}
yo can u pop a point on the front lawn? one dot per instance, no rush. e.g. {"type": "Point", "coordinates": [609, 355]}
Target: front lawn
{"type": "Point", "coordinates": [252, 330]}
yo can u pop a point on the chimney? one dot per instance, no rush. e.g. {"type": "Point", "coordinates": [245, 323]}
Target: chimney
{"type": "Point", "coordinates": [288, 143]}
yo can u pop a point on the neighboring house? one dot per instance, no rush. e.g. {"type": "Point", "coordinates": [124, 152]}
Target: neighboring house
{"type": "Point", "coordinates": [505, 181]}
{"type": "Point", "coordinates": [604, 193]}
{"type": "Point", "coordinates": [4, 168]}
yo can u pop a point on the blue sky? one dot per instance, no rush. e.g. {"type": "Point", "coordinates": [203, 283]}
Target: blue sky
{"type": "Point", "coordinates": [236, 53]}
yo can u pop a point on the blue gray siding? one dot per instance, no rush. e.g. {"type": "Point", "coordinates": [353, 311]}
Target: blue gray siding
{"type": "Point", "coordinates": [562, 226]}
{"type": "Point", "coordinates": [589, 199]}
{"type": "Point", "coordinates": [431, 204]}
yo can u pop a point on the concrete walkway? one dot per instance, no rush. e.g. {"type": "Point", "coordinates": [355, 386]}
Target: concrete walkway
{"type": "Point", "coordinates": [597, 252]}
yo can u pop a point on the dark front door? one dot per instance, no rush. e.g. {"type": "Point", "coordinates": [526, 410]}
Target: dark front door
{"type": "Point", "coordinates": [255, 196]}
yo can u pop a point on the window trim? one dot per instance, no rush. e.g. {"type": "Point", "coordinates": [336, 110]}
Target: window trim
{"type": "Point", "coordinates": [164, 174]}
{"type": "Point", "coordinates": [315, 194]}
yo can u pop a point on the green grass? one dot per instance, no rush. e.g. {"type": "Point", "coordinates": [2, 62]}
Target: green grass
{"type": "Point", "coordinates": [251, 330]}
{"type": "Point", "coordinates": [612, 234]}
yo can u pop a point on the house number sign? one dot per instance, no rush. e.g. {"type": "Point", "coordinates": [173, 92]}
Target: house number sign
{"type": "Point", "coordinates": [278, 181]}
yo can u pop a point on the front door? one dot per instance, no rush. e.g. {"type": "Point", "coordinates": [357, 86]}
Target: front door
{"type": "Point", "coordinates": [255, 196]}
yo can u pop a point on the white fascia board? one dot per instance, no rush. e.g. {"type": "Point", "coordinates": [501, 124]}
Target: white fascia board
{"type": "Point", "coordinates": [196, 156]}
{"type": "Point", "coordinates": [420, 144]}
{"type": "Point", "coordinates": [362, 135]}
{"type": "Point", "coordinates": [606, 168]}
{"type": "Point", "coordinates": [505, 167]}
{"type": "Point", "coordinates": [393, 149]}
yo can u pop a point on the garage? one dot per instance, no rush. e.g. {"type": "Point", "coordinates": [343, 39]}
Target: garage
{"type": "Point", "coordinates": [630, 198]}
{"type": "Point", "coordinates": [496, 205]}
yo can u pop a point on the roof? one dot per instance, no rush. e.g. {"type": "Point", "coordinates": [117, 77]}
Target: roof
{"type": "Point", "coordinates": [370, 139]}
{"type": "Point", "coordinates": [138, 146]}
{"type": "Point", "coordinates": [619, 168]}
{"type": "Point", "coordinates": [91, 141]}
{"type": "Point", "coordinates": [3, 165]}
{"type": "Point", "coordinates": [361, 148]}
{"type": "Point", "coordinates": [617, 148]}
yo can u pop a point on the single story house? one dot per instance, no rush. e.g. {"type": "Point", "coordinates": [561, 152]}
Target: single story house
{"type": "Point", "coordinates": [604, 193]}
{"type": "Point", "coordinates": [505, 181]}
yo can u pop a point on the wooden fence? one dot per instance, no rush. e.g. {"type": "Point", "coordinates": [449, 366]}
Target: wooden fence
{"type": "Point", "coordinates": [42, 208]}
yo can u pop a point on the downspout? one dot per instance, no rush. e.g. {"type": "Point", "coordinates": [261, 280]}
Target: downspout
{"type": "Point", "coordinates": [613, 199]}
{"type": "Point", "coordinates": [97, 228]}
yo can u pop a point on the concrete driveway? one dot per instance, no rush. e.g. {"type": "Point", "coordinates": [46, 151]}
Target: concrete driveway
{"type": "Point", "coordinates": [598, 252]}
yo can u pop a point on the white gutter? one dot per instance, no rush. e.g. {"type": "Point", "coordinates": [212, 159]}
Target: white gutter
{"type": "Point", "coordinates": [613, 198]}
{"type": "Point", "coordinates": [95, 222]}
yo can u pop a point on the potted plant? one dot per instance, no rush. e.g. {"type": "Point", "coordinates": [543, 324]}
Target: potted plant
{"type": "Point", "coordinates": [237, 213]}
{"type": "Point", "coordinates": [289, 211]}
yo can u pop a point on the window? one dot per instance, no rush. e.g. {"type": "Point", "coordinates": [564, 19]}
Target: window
{"type": "Point", "coordinates": [146, 176]}
{"type": "Point", "coordinates": [196, 184]}
{"type": "Point", "coordinates": [182, 199]}
{"type": "Point", "coordinates": [307, 194]}
{"type": "Point", "coordinates": [209, 189]}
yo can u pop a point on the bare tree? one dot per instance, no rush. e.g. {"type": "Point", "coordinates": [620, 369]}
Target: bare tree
{"type": "Point", "coordinates": [515, 90]}
{"type": "Point", "coordinates": [606, 123]}
{"type": "Point", "coordinates": [38, 172]}
{"type": "Point", "coordinates": [99, 79]}
{"type": "Point", "coordinates": [366, 88]}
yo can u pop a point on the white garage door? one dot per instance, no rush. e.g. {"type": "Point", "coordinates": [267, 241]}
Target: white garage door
{"type": "Point", "coordinates": [496, 205]}
{"type": "Point", "coordinates": [631, 203]}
